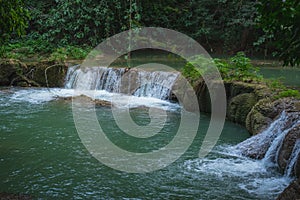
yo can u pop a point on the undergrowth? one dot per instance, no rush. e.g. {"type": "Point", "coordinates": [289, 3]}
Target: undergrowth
{"type": "Point", "coordinates": [37, 49]}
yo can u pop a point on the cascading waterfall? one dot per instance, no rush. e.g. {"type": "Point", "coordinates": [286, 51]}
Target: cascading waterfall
{"type": "Point", "coordinates": [293, 159]}
{"type": "Point", "coordinates": [157, 84]}
{"type": "Point", "coordinates": [257, 146]}
{"type": "Point", "coordinates": [267, 145]}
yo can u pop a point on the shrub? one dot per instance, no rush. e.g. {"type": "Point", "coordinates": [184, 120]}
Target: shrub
{"type": "Point", "coordinates": [289, 93]}
{"type": "Point", "coordinates": [238, 67]}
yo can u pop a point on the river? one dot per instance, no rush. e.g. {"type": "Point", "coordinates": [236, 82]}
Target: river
{"type": "Point", "coordinates": [41, 154]}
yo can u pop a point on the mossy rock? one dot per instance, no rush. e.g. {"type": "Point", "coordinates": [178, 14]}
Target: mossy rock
{"type": "Point", "coordinates": [234, 88]}
{"type": "Point", "coordinates": [237, 88]}
{"type": "Point", "coordinates": [261, 115]}
{"type": "Point", "coordinates": [266, 110]}
{"type": "Point", "coordinates": [204, 100]}
{"type": "Point", "coordinates": [239, 107]}
{"type": "Point", "coordinates": [10, 70]}
{"type": "Point", "coordinates": [48, 74]}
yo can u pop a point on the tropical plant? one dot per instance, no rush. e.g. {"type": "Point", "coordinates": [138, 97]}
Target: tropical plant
{"type": "Point", "coordinates": [280, 20]}
{"type": "Point", "coordinates": [13, 19]}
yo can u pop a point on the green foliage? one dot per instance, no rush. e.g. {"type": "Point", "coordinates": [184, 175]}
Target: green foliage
{"type": "Point", "coordinates": [238, 67]}
{"type": "Point", "coordinates": [69, 52]}
{"type": "Point", "coordinates": [196, 67]}
{"type": "Point", "coordinates": [218, 25]}
{"type": "Point", "coordinates": [25, 48]}
{"type": "Point", "coordinates": [81, 22]}
{"type": "Point", "coordinates": [280, 21]}
{"type": "Point", "coordinates": [275, 83]}
{"type": "Point", "coordinates": [13, 19]}
{"type": "Point", "coordinates": [29, 48]}
{"type": "Point", "coordinates": [190, 72]}
{"type": "Point", "coordinates": [289, 93]}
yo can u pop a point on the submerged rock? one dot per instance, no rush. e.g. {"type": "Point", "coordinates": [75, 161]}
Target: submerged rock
{"type": "Point", "coordinates": [83, 98]}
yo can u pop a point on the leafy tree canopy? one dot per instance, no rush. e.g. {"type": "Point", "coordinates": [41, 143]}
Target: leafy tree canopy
{"type": "Point", "coordinates": [280, 19]}
{"type": "Point", "coordinates": [13, 18]}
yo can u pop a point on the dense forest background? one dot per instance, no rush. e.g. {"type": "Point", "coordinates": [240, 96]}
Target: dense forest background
{"type": "Point", "coordinates": [261, 28]}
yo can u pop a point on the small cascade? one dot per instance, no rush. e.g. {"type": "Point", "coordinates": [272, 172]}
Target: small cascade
{"type": "Point", "coordinates": [293, 159]}
{"type": "Point", "coordinates": [69, 80]}
{"type": "Point", "coordinates": [157, 84]}
{"type": "Point", "coordinates": [271, 155]}
{"type": "Point", "coordinates": [268, 144]}
{"type": "Point", "coordinates": [257, 146]}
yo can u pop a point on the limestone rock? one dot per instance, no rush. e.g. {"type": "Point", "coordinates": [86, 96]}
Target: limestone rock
{"type": "Point", "coordinates": [266, 110]}
{"type": "Point", "coordinates": [86, 99]}
{"type": "Point", "coordinates": [10, 70]}
{"type": "Point", "coordinates": [287, 147]}
{"type": "Point", "coordinates": [239, 107]}
{"type": "Point", "coordinates": [48, 74]}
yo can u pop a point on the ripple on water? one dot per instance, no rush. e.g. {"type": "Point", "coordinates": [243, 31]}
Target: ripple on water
{"type": "Point", "coordinates": [248, 174]}
{"type": "Point", "coordinates": [46, 158]}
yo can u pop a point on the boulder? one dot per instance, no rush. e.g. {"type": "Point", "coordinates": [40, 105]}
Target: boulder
{"type": "Point", "coordinates": [286, 149]}
{"type": "Point", "coordinates": [239, 107]}
{"type": "Point", "coordinates": [10, 71]}
{"type": "Point", "coordinates": [292, 192]}
{"type": "Point", "coordinates": [48, 73]}
{"type": "Point", "coordinates": [266, 110]}
{"type": "Point", "coordinates": [240, 96]}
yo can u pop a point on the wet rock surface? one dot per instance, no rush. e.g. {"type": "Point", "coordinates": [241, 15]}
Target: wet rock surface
{"type": "Point", "coordinates": [292, 192]}
{"type": "Point", "coordinates": [39, 74]}
{"type": "Point", "coordinates": [85, 99]}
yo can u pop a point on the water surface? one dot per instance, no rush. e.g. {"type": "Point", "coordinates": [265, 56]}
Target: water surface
{"type": "Point", "coordinates": [42, 155]}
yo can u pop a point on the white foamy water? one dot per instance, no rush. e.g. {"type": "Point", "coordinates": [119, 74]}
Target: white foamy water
{"type": "Point", "coordinates": [293, 159]}
{"type": "Point", "coordinates": [137, 82]}
{"type": "Point", "coordinates": [252, 175]}
{"type": "Point", "coordinates": [37, 96]}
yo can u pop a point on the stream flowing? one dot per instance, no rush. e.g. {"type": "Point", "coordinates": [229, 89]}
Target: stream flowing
{"type": "Point", "coordinates": [42, 155]}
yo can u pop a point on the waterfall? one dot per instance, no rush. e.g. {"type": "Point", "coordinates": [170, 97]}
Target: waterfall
{"type": "Point", "coordinates": [257, 146]}
{"type": "Point", "coordinates": [137, 82]}
{"type": "Point", "coordinates": [293, 159]}
{"type": "Point", "coordinates": [272, 153]}
{"type": "Point", "coordinates": [268, 144]}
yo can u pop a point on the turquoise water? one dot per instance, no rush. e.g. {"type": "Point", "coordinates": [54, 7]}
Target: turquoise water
{"type": "Point", "coordinates": [42, 155]}
{"type": "Point", "coordinates": [289, 76]}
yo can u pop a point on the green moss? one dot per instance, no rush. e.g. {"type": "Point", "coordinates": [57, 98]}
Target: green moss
{"type": "Point", "coordinates": [240, 106]}
{"type": "Point", "coordinates": [289, 93]}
